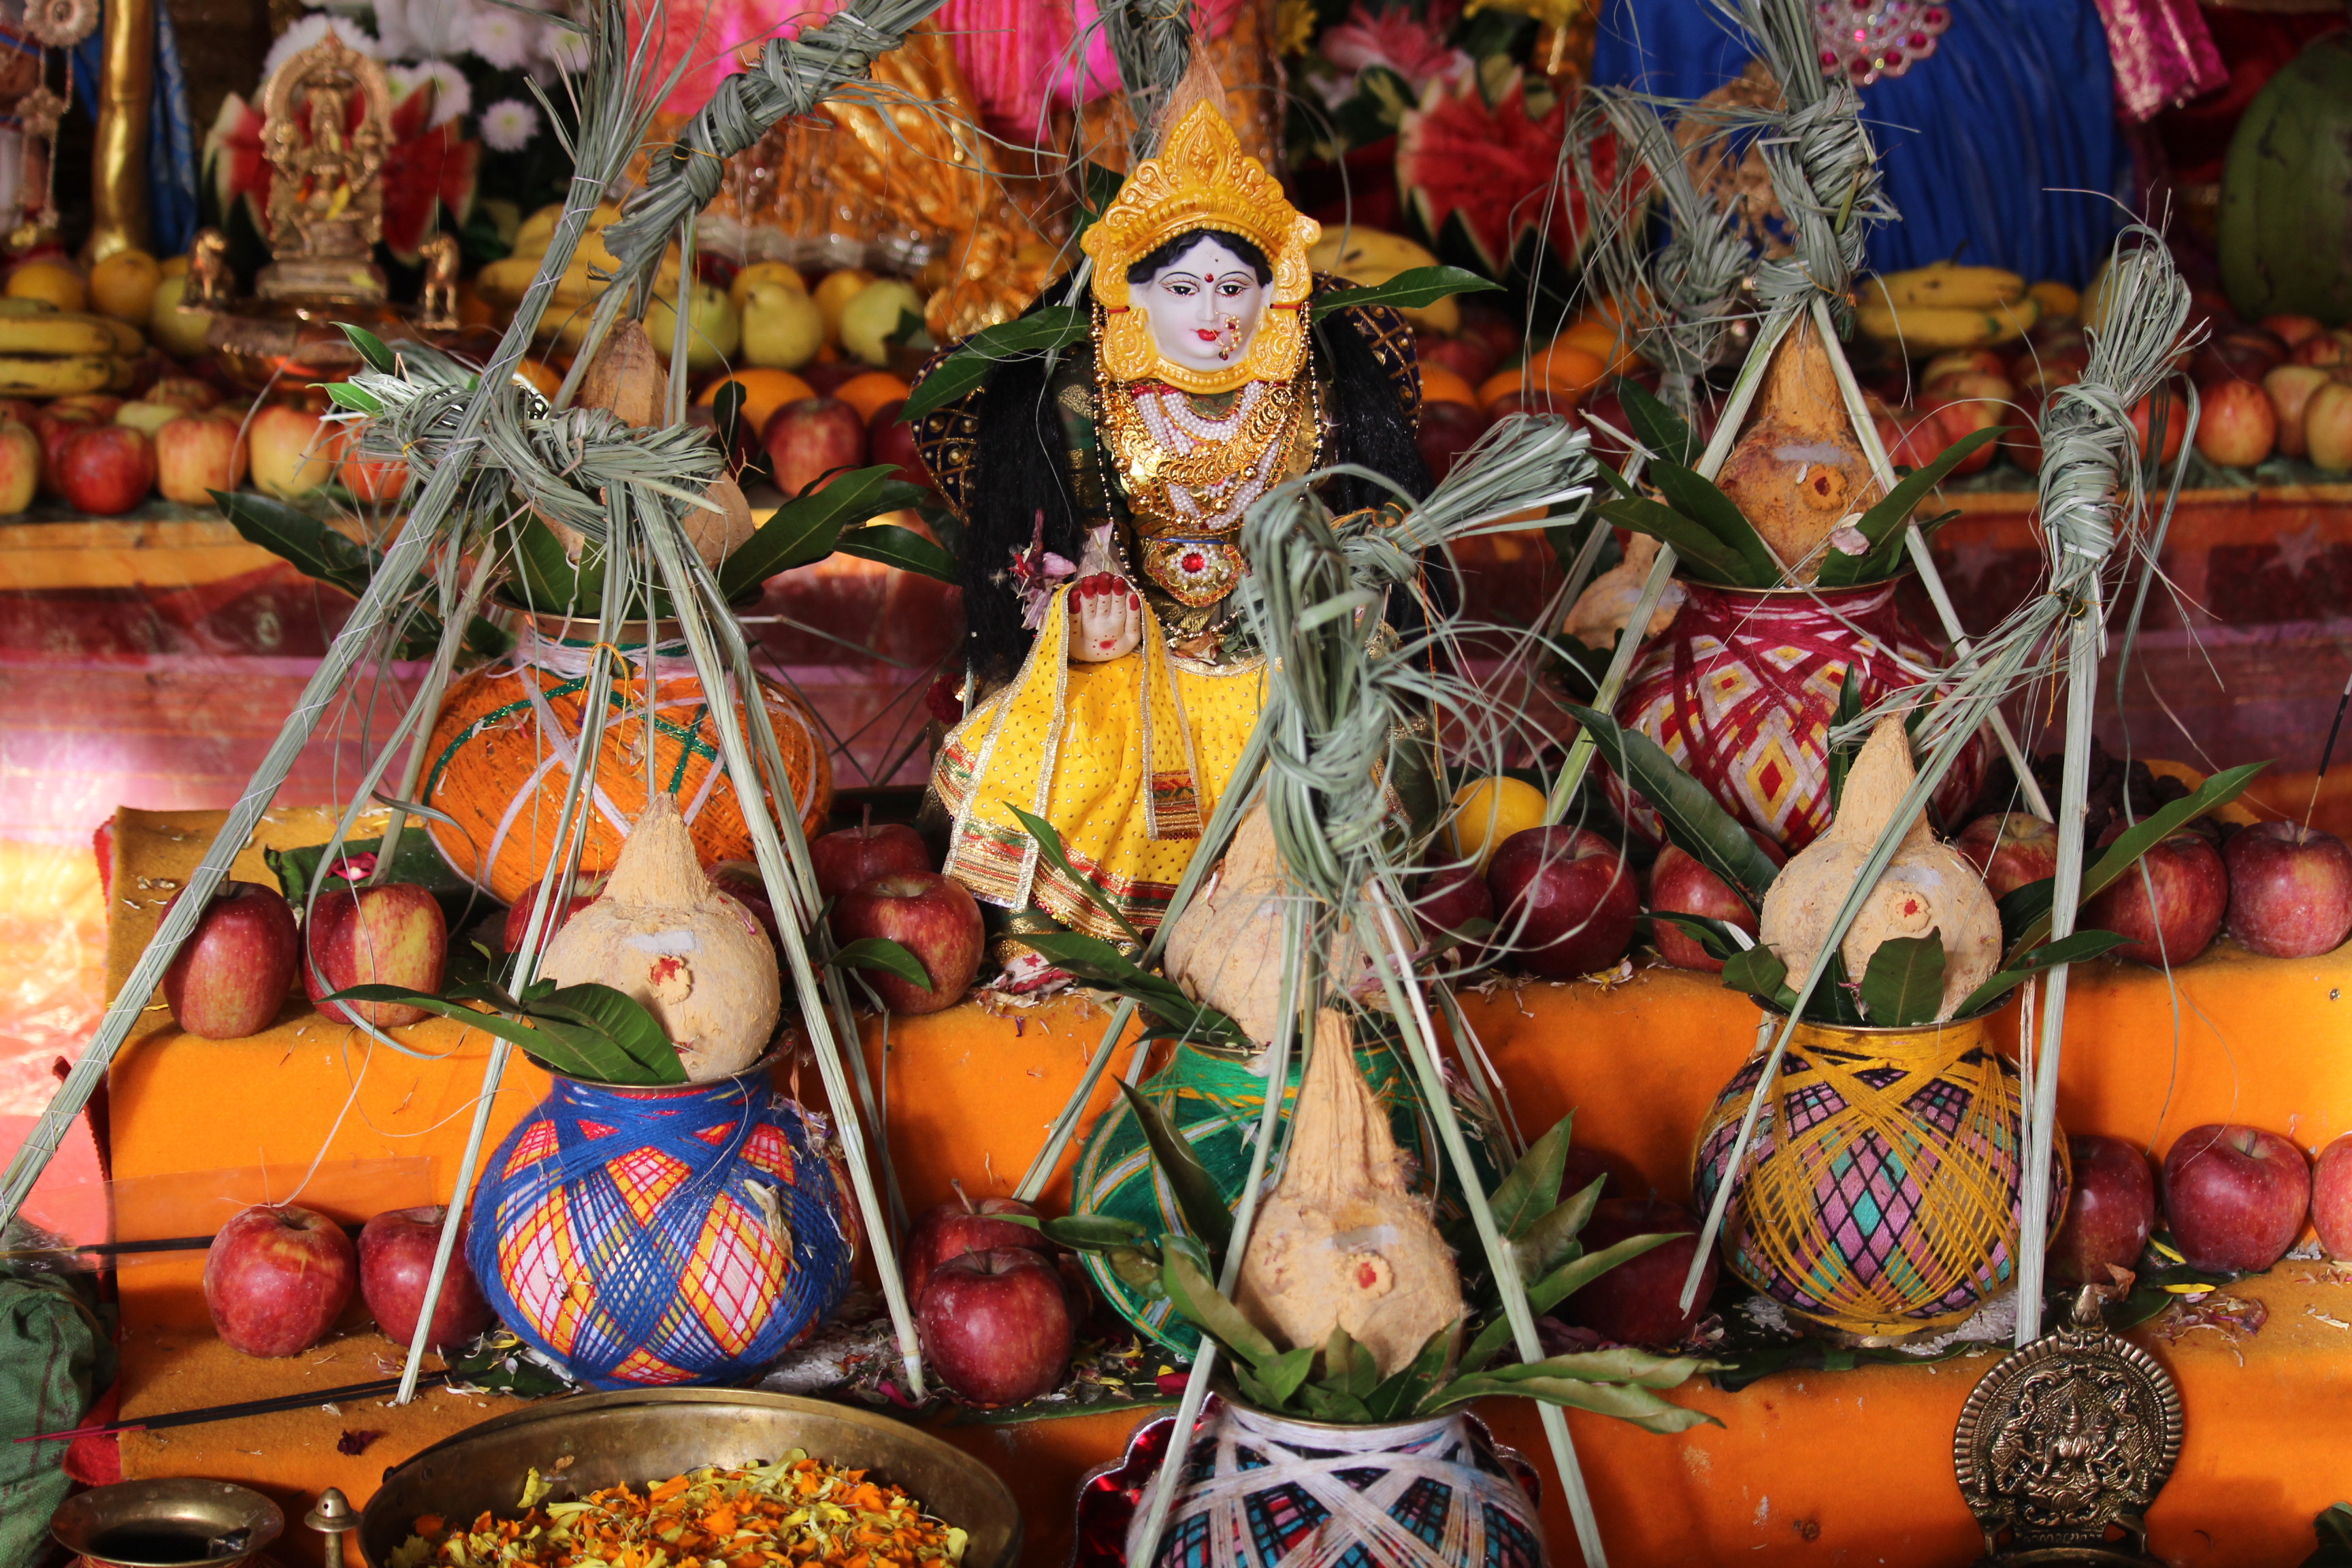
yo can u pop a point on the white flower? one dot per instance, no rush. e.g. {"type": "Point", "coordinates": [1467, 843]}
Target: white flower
{"type": "Point", "coordinates": [309, 31]}
{"type": "Point", "coordinates": [452, 95]}
{"type": "Point", "coordinates": [509, 124]}
{"type": "Point", "coordinates": [505, 39]}
{"type": "Point", "coordinates": [426, 29]}
{"type": "Point", "coordinates": [565, 47]}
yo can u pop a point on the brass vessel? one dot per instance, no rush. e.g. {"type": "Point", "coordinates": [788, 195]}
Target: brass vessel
{"type": "Point", "coordinates": [169, 1524]}
{"type": "Point", "coordinates": [587, 1442]}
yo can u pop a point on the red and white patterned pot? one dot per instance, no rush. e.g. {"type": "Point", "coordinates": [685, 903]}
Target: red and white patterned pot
{"type": "Point", "coordinates": [1741, 688]}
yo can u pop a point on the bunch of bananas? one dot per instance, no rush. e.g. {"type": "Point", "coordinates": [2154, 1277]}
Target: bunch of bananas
{"type": "Point", "coordinates": [48, 352]}
{"type": "Point", "coordinates": [1947, 306]}
{"type": "Point", "coordinates": [502, 283]}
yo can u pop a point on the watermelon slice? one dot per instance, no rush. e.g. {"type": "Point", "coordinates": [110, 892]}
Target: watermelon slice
{"type": "Point", "coordinates": [1492, 166]}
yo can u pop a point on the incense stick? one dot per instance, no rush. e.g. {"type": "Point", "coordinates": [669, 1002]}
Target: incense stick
{"type": "Point", "coordinates": [2327, 753]}
{"type": "Point", "coordinates": [276, 1404]}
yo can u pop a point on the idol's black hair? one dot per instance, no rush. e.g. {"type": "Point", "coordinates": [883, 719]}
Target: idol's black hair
{"type": "Point", "coordinates": [1176, 249]}
{"type": "Point", "coordinates": [1020, 472]}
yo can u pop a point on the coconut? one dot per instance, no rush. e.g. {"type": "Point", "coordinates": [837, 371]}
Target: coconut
{"type": "Point", "coordinates": [1928, 886]}
{"type": "Point", "coordinates": [666, 936]}
{"type": "Point", "coordinates": [626, 380]}
{"type": "Point", "coordinates": [1343, 1243]}
{"type": "Point", "coordinates": [1797, 471]}
{"type": "Point", "coordinates": [1225, 949]}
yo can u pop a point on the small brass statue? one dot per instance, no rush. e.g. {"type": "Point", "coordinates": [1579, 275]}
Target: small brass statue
{"type": "Point", "coordinates": [437, 302]}
{"type": "Point", "coordinates": [329, 118]}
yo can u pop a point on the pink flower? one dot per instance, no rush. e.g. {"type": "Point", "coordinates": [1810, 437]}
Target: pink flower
{"type": "Point", "coordinates": [1392, 36]}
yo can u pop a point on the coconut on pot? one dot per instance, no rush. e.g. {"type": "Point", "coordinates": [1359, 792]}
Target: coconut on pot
{"type": "Point", "coordinates": [665, 935]}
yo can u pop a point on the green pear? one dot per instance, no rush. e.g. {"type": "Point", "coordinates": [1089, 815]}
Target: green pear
{"type": "Point", "coordinates": [871, 320]}
{"type": "Point", "coordinates": [782, 327]}
{"type": "Point", "coordinates": [713, 330]}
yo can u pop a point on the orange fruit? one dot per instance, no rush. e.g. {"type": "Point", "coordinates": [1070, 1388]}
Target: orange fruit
{"type": "Point", "coordinates": [1564, 365]}
{"type": "Point", "coordinates": [1503, 383]}
{"type": "Point", "coordinates": [870, 391]}
{"type": "Point", "coordinates": [1603, 343]}
{"type": "Point", "coordinates": [541, 375]}
{"type": "Point", "coordinates": [765, 390]}
{"type": "Point", "coordinates": [1439, 384]}
{"type": "Point", "coordinates": [366, 479]}
{"type": "Point", "coordinates": [49, 279]}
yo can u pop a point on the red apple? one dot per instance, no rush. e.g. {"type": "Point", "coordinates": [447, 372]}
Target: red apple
{"type": "Point", "coordinates": [1449, 901]}
{"type": "Point", "coordinates": [2192, 893]}
{"type": "Point", "coordinates": [1961, 362]}
{"type": "Point", "coordinates": [231, 976]}
{"type": "Point", "coordinates": [23, 410]}
{"type": "Point", "coordinates": [2165, 405]}
{"type": "Point", "coordinates": [1496, 327]}
{"type": "Point", "coordinates": [587, 886]}
{"type": "Point", "coordinates": [1448, 430]}
{"type": "Point", "coordinates": [277, 1278]}
{"type": "Point", "coordinates": [995, 1326]}
{"type": "Point", "coordinates": [292, 452]}
{"type": "Point", "coordinates": [2012, 849]}
{"type": "Point", "coordinates": [2020, 443]}
{"type": "Point", "coordinates": [2326, 350]}
{"type": "Point", "coordinates": [104, 405]}
{"type": "Point", "coordinates": [368, 479]}
{"type": "Point", "coordinates": [56, 426]}
{"type": "Point", "coordinates": [931, 917]}
{"type": "Point", "coordinates": [197, 454]}
{"type": "Point", "coordinates": [2327, 425]}
{"type": "Point", "coordinates": [960, 1226]}
{"type": "Point", "coordinates": [810, 437]}
{"type": "Point", "coordinates": [2293, 330]}
{"type": "Point", "coordinates": [1679, 885]}
{"type": "Point", "coordinates": [849, 856]}
{"type": "Point", "coordinates": [2239, 427]}
{"type": "Point", "coordinates": [396, 1250]}
{"type": "Point", "coordinates": [890, 439]}
{"type": "Point", "coordinates": [392, 934]}
{"type": "Point", "coordinates": [741, 882]}
{"type": "Point", "coordinates": [2289, 890]}
{"type": "Point", "coordinates": [185, 392]}
{"type": "Point", "coordinates": [20, 467]}
{"type": "Point", "coordinates": [106, 469]}
{"type": "Point", "coordinates": [1639, 1302]}
{"type": "Point", "coordinates": [1568, 900]}
{"type": "Point", "coordinates": [2236, 1196]}
{"type": "Point", "coordinates": [2109, 1212]}
{"type": "Point", "coordinates": [2290, 387]}
{"type": "Point", "coordinates": [1471, 358]}
{"type": "Point", "coordinates": [2331, 1197]}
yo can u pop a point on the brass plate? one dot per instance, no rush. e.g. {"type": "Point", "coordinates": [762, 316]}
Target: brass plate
{"type": "Point", "coordinates": [640, 1436]}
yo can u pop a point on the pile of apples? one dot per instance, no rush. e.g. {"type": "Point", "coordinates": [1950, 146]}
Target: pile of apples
{"type": "Point", "coordinates": [995, 1309]}
{"type": "Point", "coordinates": [2235, 1198]}
{"type": "Point", "coordinates": [278, 1277]}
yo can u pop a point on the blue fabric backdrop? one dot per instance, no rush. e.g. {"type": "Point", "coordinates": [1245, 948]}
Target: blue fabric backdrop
{"type": "Point", "coordinates": [1985, 142]}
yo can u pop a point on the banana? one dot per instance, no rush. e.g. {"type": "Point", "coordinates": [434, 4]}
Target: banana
{"type": "Point", "coordinates": [125, 376]}
{"type": "Point", "coordinates": [1925, 329]}
{"type": "Point", "coordinates": [12, 306]}
{"type": "Point", "coordinates": [2057, 300]}
{"type": "Point", "coordinates": [57, 333]}
{"type": "Point", "coordinates": [128, 341]}
{"type": "Point", "coordinates": [22, 376]}
{"type": "Point", "coordinates": [1966, 288]}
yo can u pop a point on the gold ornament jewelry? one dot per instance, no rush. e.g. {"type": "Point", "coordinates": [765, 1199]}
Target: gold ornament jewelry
{"type": "Point", "coordinates": [1202, 179]}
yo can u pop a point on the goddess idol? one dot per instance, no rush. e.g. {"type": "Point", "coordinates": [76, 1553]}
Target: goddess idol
{"type": "Point", "coordinates": [1112, 686]}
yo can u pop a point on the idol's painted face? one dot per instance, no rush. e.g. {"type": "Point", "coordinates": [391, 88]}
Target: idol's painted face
{"type": "Point", "coordinates": [1204, 307]}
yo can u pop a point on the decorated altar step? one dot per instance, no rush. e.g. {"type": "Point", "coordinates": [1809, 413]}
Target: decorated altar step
{"type": "Point", "coordinates": [1809, 1467]}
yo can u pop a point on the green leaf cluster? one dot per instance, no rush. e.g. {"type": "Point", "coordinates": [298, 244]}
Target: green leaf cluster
{"type": "Point", "coordinates": [590, 1032]}
{"type": "Point", "coordinates": [324, 553]}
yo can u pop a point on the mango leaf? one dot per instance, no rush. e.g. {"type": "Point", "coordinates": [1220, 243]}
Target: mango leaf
{"type": "Point", "coordinates": [1625, 1364]}
{"type": "Point", "coordinates": [1049, 848]}
{"type": "Point", "coordinates": [1637, 1406]}
{"type": "Point", "coordinates": [1552, 1289]}
{"type": "Point", "coordinates": [1706, 556]}
{"type": "Point", "coordinates": [371, 348]}
{"type": "Point", "coordinates": [1905, 982]}
{"type": "Point", "coordinates": [1184, 1274]}
{"type": "Point", "coordinates": [2131, 844]}
{"type": "Point", "coordinates": [1403, 1391]}
{"type": "Point", "coordinates": [545, 578]}
{"type": "Point", "coordinates": [1713, 936]}
{"type": "Point", "coordinates": [578, 1013]}
{"type": "Point", "coordinates": [1655, 424]}
{"type": "Point", "coordinates": [903, 548]}
{"type": "Point", "coordinates": [2080, 947]}
{"type": "Point", "coordinates": [589, 1058]}
{"type": "Point", "coordinates": [1697, 499]}
{"type": "Point", "coordinates": [967, 370]}
{"type": "Point", "coordinates": [343, 395]}
{"type": "Point", "coordinates": [1758, 972]}
{"type": "Point", "coordinates": [1098, 963]}
{"type": "Point", "coordinates": [1325, 1403]}
{"type": "Point", "coordinates": [1198, 1200]}
{"type": "Point", "coordinates": [1833, 999]}
{"type": "Point", "coordinates": [1409, 290]}
{"type": "Point", "coordinates": [1842, 754]}
{"type": "Point", "coordinates": [1694, 820]}
{"type": "Point", "coordinates": [1885, 520]}
{"type": "Point", "coordinates": [1552, 1240]}
{"type": "Point", "coordinates": [1531, 1189]}
{"type": "Point", "coordinates": [310, 545]}
{"type": "Point", "coordinates": [1347, 1367]}
{"type": "Point", "coordinates": [807, 528]}
{"type": "Point", "coordinates": [889, 958]}
{"type": "Point", "coordinates": [418, 860]}
{"type": "Point", "coordinates": [1082, 1232]}
{"type": "Point", "coordinates": [1098, 188]}
{"type": "Point", "coordinates": [727, 413]}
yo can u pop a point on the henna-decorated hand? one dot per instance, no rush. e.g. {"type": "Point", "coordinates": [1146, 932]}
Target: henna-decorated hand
{"type": "Point", "coordinates": [1106, 618]}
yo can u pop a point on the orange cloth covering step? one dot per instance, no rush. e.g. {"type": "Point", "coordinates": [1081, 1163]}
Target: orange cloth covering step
{"type": "Point", "coordinates": [1808, 1468]}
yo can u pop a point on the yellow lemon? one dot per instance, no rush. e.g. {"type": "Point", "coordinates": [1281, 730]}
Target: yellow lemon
{"type": "Point", "coordinates": [172, 267]}
{"type": "Point", "coordinates": [1488, 811]}
{"type": "Point", "coordinates": [123, 286]}
{"type": "Point", "coordinates": [52, 280]}
{"type": "Point", "coordinates": [834, 294]}
{"type": "Point", "coordinates": [739, 288]}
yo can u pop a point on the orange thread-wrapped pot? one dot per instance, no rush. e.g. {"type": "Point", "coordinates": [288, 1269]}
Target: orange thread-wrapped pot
{"type": "Point", "coordinates": [501, 757]}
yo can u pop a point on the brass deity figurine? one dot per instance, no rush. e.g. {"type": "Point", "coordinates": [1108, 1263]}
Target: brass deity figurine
{"type": "Point", "coordinates": [328, 124]}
